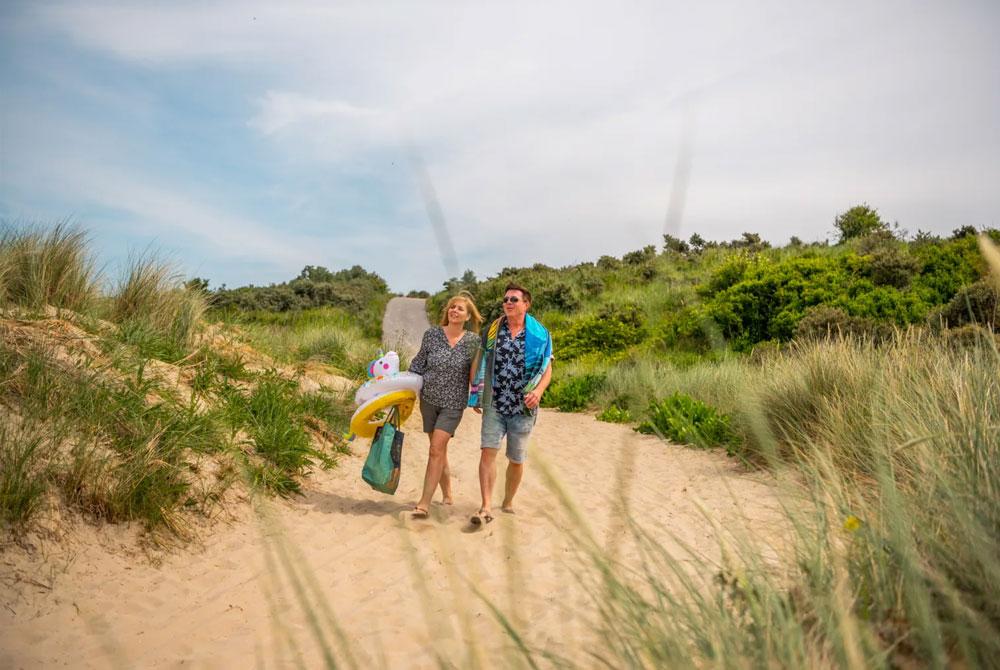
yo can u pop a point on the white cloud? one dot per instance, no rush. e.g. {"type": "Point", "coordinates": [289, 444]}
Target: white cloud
{"type": "Point", "coordinates": [557, 125]}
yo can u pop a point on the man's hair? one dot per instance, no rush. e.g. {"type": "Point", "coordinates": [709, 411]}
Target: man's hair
{"type": "Point", "coordinates": [517, 287]}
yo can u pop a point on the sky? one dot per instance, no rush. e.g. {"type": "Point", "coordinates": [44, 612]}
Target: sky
{"type": "Point", "coordinates": [243, 141]}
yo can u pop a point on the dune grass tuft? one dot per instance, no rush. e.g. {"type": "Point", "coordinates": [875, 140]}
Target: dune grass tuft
{"type": "Point", "coordinates": [41, 267]}
{"type": "Point", "coordinates": [22, 474]}
{"type": "Point", "coordinates": [155, 311]}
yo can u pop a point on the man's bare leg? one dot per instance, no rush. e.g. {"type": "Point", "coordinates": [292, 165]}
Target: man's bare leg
{"type": "Point", "coordinates": [513, 480]}
{"type": "Point", "coordinates": [487, 476]}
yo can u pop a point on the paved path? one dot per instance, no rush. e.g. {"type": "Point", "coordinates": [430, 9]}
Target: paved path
{"type": "Point", "coordinates": [403, 325]}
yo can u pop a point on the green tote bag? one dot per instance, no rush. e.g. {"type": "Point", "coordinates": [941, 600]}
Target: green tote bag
{"type": "Point", "coordinates": [381, 469]}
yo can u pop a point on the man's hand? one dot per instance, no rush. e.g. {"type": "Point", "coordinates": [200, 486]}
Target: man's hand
{"type": "Point", "coordinates": [531, 399]}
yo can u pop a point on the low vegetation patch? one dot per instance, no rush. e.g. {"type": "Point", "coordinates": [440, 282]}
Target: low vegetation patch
{"type": "Point", "coordinates": [680, 418]}
{"type": "Point", "coordinates": [574, 393]}
{"type": "Point", "coordinates": [124, 411]}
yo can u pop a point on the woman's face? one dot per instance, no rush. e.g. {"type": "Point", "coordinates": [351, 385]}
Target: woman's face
{"type": "Point", "coordinates": [458, 312]}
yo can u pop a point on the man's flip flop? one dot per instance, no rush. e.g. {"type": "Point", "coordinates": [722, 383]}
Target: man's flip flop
{"type": "Point", "coordinates": [481, 518]}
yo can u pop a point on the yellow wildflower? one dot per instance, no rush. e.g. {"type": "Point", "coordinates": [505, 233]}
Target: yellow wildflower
{"type": "Point", "coordinates": [852, 523]}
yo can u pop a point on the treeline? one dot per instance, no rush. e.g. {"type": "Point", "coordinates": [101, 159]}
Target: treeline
{"type": "Point", "coordinates": [694, 296]}
{"type": "Point", "coordinates": [355, 291]}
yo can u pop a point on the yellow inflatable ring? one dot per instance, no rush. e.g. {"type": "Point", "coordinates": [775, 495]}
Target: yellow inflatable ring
{"type": "Point", "coordinates": [362, 424]}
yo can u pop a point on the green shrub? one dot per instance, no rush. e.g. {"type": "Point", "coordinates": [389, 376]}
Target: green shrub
{"type": "Point", "coordinates": [683, 419]}
{"type": "Point", "coordinates": [640, 256]}
{"type": "Point", "coordinates": [974, 304]}
{"type": "Point", "coordinates": [970, 337]}
{"type": "Point", "coordinates": [560, 296]}
{"type": "Point", "coordinates": [755, 299]}
{"type": "Point", "coordinates": [592, 286]}
{"type": "Point", "coordinates": [613, 328]}
{"type": "Point", "coordinates": [858, 221]}
{"type": "Point", "coordinates": [678, 246]}
{"type": "Point", "coordinates": [614, 414]}
{"type": "Point", "coordinates": [608, 263]}
{"type": "Point", "coordinates": [890, 266]}
{"type": "Point", "coordinates": [830, 322]}
{"type": "Point", "coordinates": [574, 393]}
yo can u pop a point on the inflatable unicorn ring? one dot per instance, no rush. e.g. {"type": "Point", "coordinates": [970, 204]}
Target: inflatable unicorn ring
{"type": "Point", "coordinates": [386, 387]}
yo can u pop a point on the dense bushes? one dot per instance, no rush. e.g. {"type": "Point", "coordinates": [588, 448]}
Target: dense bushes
{"type": "Point", "coordinates": [825, 322]}
{"type": "Point", "coordinates": [573, 393]}
{"type": "Point", "coordinates": [612, 329]}
{"type": "Point", "coordinates": [974, 304]}
{"type": "Point", "coordinates": [358, 292]}
{"type": "Point", "coordinates": [754, 298]}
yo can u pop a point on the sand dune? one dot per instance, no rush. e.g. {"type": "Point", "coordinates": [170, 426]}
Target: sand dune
{"type": "Point", "coordinates": [402, 592]}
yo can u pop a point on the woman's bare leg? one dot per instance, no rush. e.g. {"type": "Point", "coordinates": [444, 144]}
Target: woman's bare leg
{"type": "Point", "coordinates": [437, 459]}
{"type": "Point", "coordinates": [446, 482]}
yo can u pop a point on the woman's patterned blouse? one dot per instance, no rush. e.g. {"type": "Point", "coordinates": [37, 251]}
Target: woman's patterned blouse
{"type": "Point", "coordinates": [445, 368]}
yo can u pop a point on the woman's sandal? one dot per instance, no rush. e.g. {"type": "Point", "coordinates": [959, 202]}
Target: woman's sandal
{"type": "Point", "coordinates": [419, 513]}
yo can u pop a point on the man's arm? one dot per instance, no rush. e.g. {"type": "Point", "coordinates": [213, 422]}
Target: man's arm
{"type": "Point", "coordinates": [533, 397]}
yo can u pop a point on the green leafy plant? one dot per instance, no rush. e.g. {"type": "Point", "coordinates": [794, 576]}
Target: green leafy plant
{"type": "Point", "coordinates": [574, 393]}
{"type": "Point", "coordinates": [614, 414]}
{"type": "Point", "coordinates": [614, 328]}
{"type": "Point", "coordinates": [689, 421]}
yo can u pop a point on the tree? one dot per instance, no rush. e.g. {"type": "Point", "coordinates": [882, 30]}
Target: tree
{"type": "Point", "coordinates": [675, 244]}
{"type": "Point", "coordinates": [750, 241]}
{"type": "Point", "coordinates": [858, 221]}
{"type": "Point", "coordinates": [640, 256]}
{"type": "Point", "coordinates": [467, 282]}
{"type": "Point", "coordinates": [316, 273]}
{"type": "Point", "coordinates": [697, 242]}
{"type": "Point", "coordinates": [198, 284]}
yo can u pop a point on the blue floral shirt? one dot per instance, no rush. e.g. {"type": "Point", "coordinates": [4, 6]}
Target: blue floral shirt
{"type": "Point", "coordinates": [508, 375]}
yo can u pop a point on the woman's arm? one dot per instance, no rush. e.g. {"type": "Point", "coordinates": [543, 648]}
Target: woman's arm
{"type": "Point", "coordinates": [419, 363]}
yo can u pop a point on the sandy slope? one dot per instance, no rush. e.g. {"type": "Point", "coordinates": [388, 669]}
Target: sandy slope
{"type": "Point", "coordinates": [230, 600]}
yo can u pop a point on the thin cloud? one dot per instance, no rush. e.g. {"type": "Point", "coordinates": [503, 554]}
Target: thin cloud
{"type": "Point", "coordinates": [560, 125]}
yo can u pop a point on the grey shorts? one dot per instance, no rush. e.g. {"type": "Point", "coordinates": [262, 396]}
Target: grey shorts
{"type": "Point", "coordinates": [439, 418]}
{"type": "Point", "coordinates": [516, 428]}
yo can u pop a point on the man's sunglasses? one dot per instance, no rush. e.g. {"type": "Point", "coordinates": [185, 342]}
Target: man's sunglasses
{"type": "Point", "coordinates": [511, 298]}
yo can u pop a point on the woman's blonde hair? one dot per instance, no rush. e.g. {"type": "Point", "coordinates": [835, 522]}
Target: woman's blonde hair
{"type": "Point", "coordinates": [475, 318]}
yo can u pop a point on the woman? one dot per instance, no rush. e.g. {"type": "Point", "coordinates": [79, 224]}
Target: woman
{"type": "Point", "coordinates": [445, 361]}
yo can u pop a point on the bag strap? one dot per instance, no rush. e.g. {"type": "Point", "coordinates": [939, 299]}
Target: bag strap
{"type": "Point", "coordinates": [393, 417]}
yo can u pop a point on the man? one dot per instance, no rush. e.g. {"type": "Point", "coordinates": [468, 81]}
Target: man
{"type": "Point", "coordinates": [513, 372]}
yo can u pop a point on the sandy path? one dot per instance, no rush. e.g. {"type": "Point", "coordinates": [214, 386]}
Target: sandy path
{"type": "Point", "coordinates": [229, 601]}
{"type": "Point", "coordinates": [403, 325]}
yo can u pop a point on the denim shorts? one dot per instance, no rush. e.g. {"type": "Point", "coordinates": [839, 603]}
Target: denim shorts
{"type": "Point", "coordinates": [516, 428]}
{"type": "Point", "coordinates": [439, 418]}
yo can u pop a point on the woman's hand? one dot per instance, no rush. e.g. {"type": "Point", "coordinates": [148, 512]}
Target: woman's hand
{"type": "Point", "coordinates": [532, 398]}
